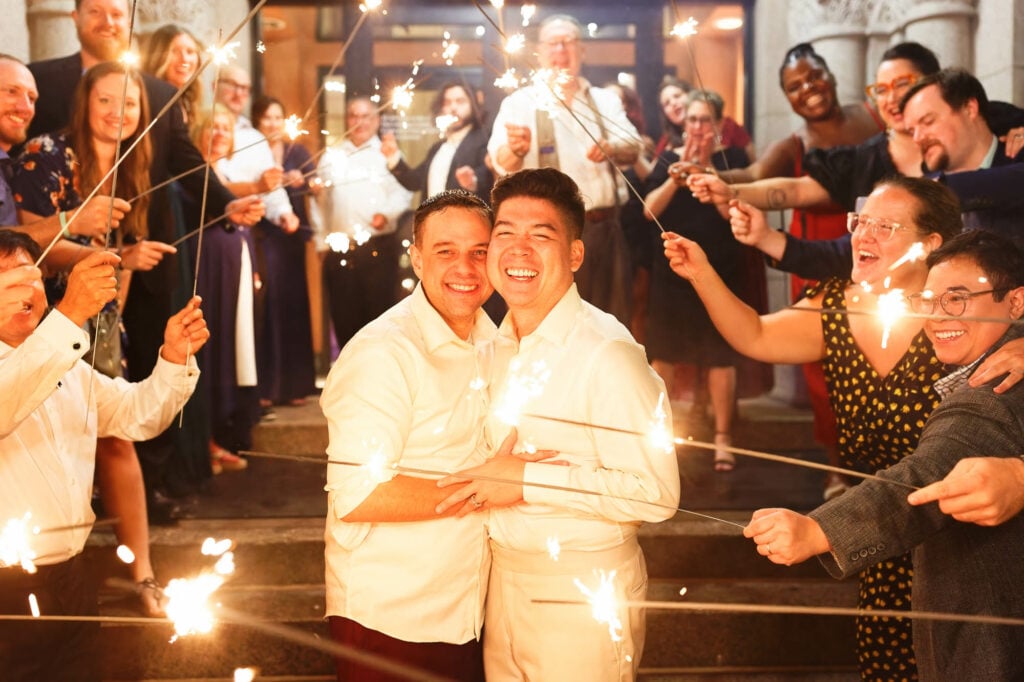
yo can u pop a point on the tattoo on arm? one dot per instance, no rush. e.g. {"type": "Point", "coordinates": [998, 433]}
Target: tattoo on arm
{"type": "Point", "coordinates": [776, 198]}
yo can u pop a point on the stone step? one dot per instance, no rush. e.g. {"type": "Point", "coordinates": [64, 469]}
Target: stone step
{"type": "Point", "coordinates": [678, 642]}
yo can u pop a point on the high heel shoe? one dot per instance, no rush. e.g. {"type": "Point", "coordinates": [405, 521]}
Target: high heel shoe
{"type": "Point", "coordinates": [724, 460]}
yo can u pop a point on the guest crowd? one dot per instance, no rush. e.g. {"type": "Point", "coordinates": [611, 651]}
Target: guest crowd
{"type": "Point", "coordinates": [558, 219]}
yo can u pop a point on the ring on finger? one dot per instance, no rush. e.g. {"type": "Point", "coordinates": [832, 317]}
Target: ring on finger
{"type": "Point", "coordinates": [768, 547]}
{"type": "Point", "coordinates": [475, 502]}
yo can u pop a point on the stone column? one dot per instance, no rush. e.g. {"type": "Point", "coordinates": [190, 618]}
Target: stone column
{"type": "Point", "coordinates": [837, 29]}
{"type": "Point", "coordinates": [946, 26]}
{"type": "Point", "coordinates": [50, 31]}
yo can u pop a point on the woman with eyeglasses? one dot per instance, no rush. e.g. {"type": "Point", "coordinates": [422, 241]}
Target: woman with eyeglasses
{"type": "Point", "coordinates": [879, 372]}
{"type": "Point", "coordinates": [678, 329]}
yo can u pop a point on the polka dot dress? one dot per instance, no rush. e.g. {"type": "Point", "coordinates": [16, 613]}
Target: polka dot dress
{"type": "Point", "coordinates": [879, 420]}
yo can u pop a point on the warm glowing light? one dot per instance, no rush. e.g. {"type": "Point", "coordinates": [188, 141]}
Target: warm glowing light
{"type": "Point", "coordinates": [497, 4]}
{"type": "Point", "coordinates": [225, 565]}
{"type": "Point", "coordinates": [188, 604]}
{"type": "Point", "coordinates": [369, 5]}
{"type": "Point", "coordinates": [33, 604]}
{"type": "Point", "coordinates": [728, 23]}
{"type": "Point", "coordinates": [514, 43]}
{"type": "Point", "coordinates": [444, 122]}
{"type": "Point", "coordinates": [477, 384]}
{"type": "Point", "coordinates": [682, 592]}
{"type": "Point", "coordinates": [293, 127]}
{"type": "Point", "coordinates": [213, 547]}
{"type": "Point", "coordinates": [129, 59]}
{"type": "Point", "coordinates": [603, 603]}
{"type": "Point", "coordinates": [261, 47]}
{"type": "Point", "coordinates": [659, 435]}
{"type": "Point", "coordinates": [408, 283]}
{"type": "Point", "coordinates": [554, 548]}
{"type": "Point", "coordinates": [891, 307]}
{"type": "Point", "coordinates": [245, 674]}
{"type": "Point", "coordinates": [125, 554]}
{"type": "Point", "coordinates": [449, 49]}
{"type": "Point", "coordinates": [507, 81]}
{"type": "Point", "coordinates": [480, 31]}
{"type": "Point", "coordinates": [549, 89]}
{"type": "Point", "coordinates": [223, 54]}
{"type": "Point", "coordinates": [685, 29]}
{"type": "Point", "coordinates": [15, 549]}
{"type": "Point", "coordinates": [915, 253]}
{"type": "Point", "coordinates": [338, 242]}
{"type": "Point", "coordinates": [520, 389]}
{"type": "Point", "coordinates": [527, 11]}
{"type": "Point", "coordinates": [378, 467]}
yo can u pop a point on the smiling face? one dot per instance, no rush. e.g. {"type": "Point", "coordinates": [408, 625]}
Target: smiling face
{"type": "Point", "coordinates": [362, 120]}
{"type": "Point", "coordinates": [218, 137]}
{"type": "Point", "coordinates": [673, 104]}
{"type": "Point", "coordinates": [105, 108]}
{"type": "Point", "coordinates": [102, 27]}
{"type": "Point", "coordinates": [700, 119]}
{"type": "Point", "coordinates": [810, 89]}
{"type": "Point", "coordinates": [233, 88]}
{"type": "Point", "coordinates": [455, 102]}
{"type": "Point", "coordinates": [23, 323]}
{"type": "Point", "coordinates": [944, 135]}
{"type": "Point", "coordinates": [532, 258]}
{"type": "Point", "coordinates": [559, 47]}
{"type": "Point", "coordinates": [961, 341]}
{"type": "Point", "coordinates": [182, 60]}
{"type": "Point", "coordinates": [271, 124]}
{"type": "Point", "coordinates": [451, 262]}
{"type": "Point", "coordinates": [18, 97]}
{"type": "Point", "coordinates": [898, 75]}
{"type": "Point", "coordinates": [873, 254]}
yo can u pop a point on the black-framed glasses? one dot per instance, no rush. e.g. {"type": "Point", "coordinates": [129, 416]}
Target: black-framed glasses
{"type": "Point", "coordinates": [953, 302]}
{"type": "Point", "coordinates": [235, 85]}
{"type": "Point", "coordinates": [880, 228]}
{"type": "Point", "coordinates": [895, 86]}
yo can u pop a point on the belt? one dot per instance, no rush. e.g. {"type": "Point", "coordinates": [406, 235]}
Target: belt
{"type": "Point", "coordinates": [596, 215]}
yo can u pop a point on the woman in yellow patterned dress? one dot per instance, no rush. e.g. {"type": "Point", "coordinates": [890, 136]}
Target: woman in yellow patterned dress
{"type": "Point", "coordinates": [879, 374]}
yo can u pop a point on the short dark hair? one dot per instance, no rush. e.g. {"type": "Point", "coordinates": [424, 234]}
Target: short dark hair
{"type": "Point", "coordinates": [550, 185]}
{"type": "Point", "coordinates": [12, 241]}
{"type": "Point", "coordinates": [938, 208]}
{"type": "Point", "coordinates": [474, 106]}
{"type": "Point", "coordinates": [798, 52]}
{"type": "Point", "coordinates": [260, 106]}
{"type": "Point", "coordinates": [957, 87]}
{"type": "Point", "coordinates": [999, 257]}
{"type": "Point", "coordinates": [923, 59]}
{"type": "Point", "coordinates": [442, 201]}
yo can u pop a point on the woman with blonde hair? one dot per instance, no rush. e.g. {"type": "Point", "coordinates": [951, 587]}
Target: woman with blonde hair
{"type": "Point", "coordinates": [173, 53]}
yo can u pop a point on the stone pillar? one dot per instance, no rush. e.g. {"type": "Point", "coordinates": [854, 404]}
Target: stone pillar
{"type": "Point", "coordinates": [946, 26]}
{"type": "Point", "coordinates": [50, 29]}
{"type": "Point", "coordinates": [999, 54]}
{"type": "Point", "coordinates": [837, 30]}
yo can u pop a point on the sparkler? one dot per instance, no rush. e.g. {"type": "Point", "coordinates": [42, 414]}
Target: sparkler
{"type": "Point", "coordinates": [188, 605]}
{"type": "Point", "coordinates": [260, 46]}
{"type": "Point", "coordinates": [125, 554]}
{"type": "Point", "coordinates": [449, 49]}
{"type": "Point", "coordinates": [891, 307]}
{"type": "Point", "coordinates": [526, 12]}
{"type": "Point", "coordinates": [603, 603]}
{"type": "Point", "coordinates": [293, 128]}
{"type": "Point", "coordinates": [508, 80]}
{"type": "Point", "coordinates": [33, 604]}
{"type": "Point", "coordinates": [914, 253]}
{"type": "Point", "coordinates": [520, 389]}
{"type": "Point", "coordinates": [15, 548]}
{"type": "Point", "coordinates": [554, 548]}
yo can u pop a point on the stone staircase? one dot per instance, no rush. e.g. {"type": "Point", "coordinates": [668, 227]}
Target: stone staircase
{"type": "Point", "coordinates": [279, 579]}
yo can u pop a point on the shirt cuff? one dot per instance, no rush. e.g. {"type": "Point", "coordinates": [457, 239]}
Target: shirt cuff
{"type": "Point", "coordinates": [64, 334]}
{"type": "Point", "coordinates": [545, 474]}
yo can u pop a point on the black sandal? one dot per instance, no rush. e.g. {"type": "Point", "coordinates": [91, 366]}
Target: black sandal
{"type": "Point", "coordinates": [151, 597]}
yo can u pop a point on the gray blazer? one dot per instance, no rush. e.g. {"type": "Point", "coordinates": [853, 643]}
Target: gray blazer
{"type": "Point", "coordinates": [958, 567]}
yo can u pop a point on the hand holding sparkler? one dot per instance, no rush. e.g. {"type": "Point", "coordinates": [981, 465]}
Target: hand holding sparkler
{"type": "Point", "coordinates": [388, 145]}
{"type": "Point", "coordinates": [709, 189]}
{"type": "Point", "coordinates": [91, 285]}
{"type": "Point", "coordinates": [685, 257]}
{"type": "Point", "coordinates": [17, 287]}
{"type": "Point", "coordinates": [466, 177]}
{"type": "Point", "coordinates": [144, 255]}
{"type": "Point", "coordinates": [185, 334]}
{"type": "Point", "coordinates": [91, 218]}
{"type": "Point", "coordinates": [294, 178]}
{"type": "Point", "coordinates": [289, 223]}
{"type": "Point", "coordinates": [246, 211]}
{"type": "Point", "coordinates": [270, 179]}
{"type": "Point", "coordinates": [750, 227]}
{"type": "Point", "coordinates": [518, 142]}
{"type": "Point", "coordinates": [785, 537]}
{"type": "Point", "coordinates": [983, 490]}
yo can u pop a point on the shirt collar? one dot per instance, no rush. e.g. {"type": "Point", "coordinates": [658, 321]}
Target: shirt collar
{"type": "Point", "coordinates": [372, 143]}
{"type": "Point", "coordinates": [557, 324]}
{"type": "Point", "coordinates": [435, 330]}
{"type": "Point", "coordinates": [991, 156]}
{"type": "Point", "coordinates": [959, 376]}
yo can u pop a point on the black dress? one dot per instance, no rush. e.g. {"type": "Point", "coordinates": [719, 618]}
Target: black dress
{"type": "Point", "coordinates": [678, 326]}
{"type": "Point", "coordinates": [880, 420]}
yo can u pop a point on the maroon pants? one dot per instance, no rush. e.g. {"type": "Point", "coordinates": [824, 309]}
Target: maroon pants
{"type": "Point", "coordinates": [456, 661]}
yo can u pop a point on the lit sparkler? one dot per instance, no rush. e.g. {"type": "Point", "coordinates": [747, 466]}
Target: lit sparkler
{"type": "Point", "coordinates": [514, 43]}
{"type": "Point", "coordinates": [125, 554]}
{"type": "Point", "coordinates": [891, 307]}
{"type": "Point", "coordinates": [15, 548]}
{"type": "Point", "coordinates": [508, 80]}
{"type": "Point", "coordinates": [526, 12]}
{"type": "Point", "coordinates": [293, 128]}
{"type": "Point", "coordinates": [549, 89]}
{"type": "Point", "coordinates": [914, 253]}
{"type": "Point", "coordinates": [444, 122]}
{"type": "Point", "coordinates": [188, 604]}
{"type": "Point", "coordinates": [33, 604]}
{"type": "Point", "coordinates": [603, 603]}
{"type": "Point", "coordinates": [129, 59]}
{"type": "Point", "coordinates": [369, 5]}
{"type": "Point", "coordinates": [222, 55]}
{"type": "Point", "coordinates": [261, 46]}
{"type": "Point", "coordinates": [660, 433]}
{"type": "Point", "coordinates": [520, 389]}
{"type": "Point", "coordinates": [245, 674]}
{"type": "Point", "coordinates": [378, 466]}
{"type": "Point", "coordinates": [685, 29]}
{"type": "Point", "coordinates": [554, 548]}
{"type": "Point", "coordinates": [449, 49]}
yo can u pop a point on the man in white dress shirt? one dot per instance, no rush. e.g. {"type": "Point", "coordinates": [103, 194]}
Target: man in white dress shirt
{"type": "Point", "coordinates": [354, 220]}
{"type": "Point", "coordinates": [557, 356]}
{"type": "Point", "coordinates": [410, 390]}
{"type": "Point", "coordinates": [54, 407]}
{"type": "Point", "coordinates": [534, 130]}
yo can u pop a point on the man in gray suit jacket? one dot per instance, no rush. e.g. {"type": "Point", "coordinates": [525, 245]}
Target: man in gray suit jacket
{"type": "Point", "coordinates": [960, 568]}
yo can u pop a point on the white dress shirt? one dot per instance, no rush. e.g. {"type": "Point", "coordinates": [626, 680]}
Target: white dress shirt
{"type": "Point", "coordinates": [580, 364]}
{"type": "Point", "coordinates": [360, 185]}
{"type": "Point", "coordinates": [54, 407]}
{"type": "Point", "coordinates": [406, 390]}
{"type": "Point", "coordinates": [598, 182]}
{"type": "Point", "coordinates": [250, 160]}
{"type": "Point", "coordinates": [441, 164]}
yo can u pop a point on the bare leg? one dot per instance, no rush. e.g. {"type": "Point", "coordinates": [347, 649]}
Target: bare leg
{"type": "Point", "coordinates": [124, 497]}
{"type": "Point", "coordinates": [722, 388]}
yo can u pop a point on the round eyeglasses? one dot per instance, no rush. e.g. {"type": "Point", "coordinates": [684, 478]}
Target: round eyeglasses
{"type": "Point", "coordinates": [896, 86]}
{"type": "Point", "coordinates": [879, 228]}
{"type": "Point", "coordinates": [952, 302]}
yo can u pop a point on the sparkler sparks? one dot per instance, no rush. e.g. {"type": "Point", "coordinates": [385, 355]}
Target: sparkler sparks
{"type": "Point", "coordinates": [891, 307]}
{"type": "Point", "coordinates": [508, 80]}
{"type": "Point", "coordinates": [549, 89]}
{"type": "Point", "coordinates": [33, 604]}
{"type": "Point", "coordinates": [603, 603]}
{"type": "Point", "coordinates": [125, 554]}
{"type": "Point", "coordinates": [526, 12]}
{"type": "Point", "coordinates": [188, 604]}
{"type": "Point", "coordinates": [685, 29]}
{"type": "Point", "coordinates": [444, 122]}
{"type": "Point", "coordinates": [261, 46]}
{"type": "Point", "coordinates": [914, 253]}
{"type": "Point", "coordinates": [449, 49]}
{"type": "Point", "coordinates": [369, 5]}
{"type": "Point", "coordinates": [660, 433]}
{"type": "Point", "coordinates": [223, 54]}
{"type": "Point", "coordinates": [15, 548]}
{"type": "Point", "coordinates": [514, 43]}
{"type": "Point", "coordinates": [497, 4]}
{"type": "Point", "coordinates": [520, 389]}
{"type": "Point", "coordinates": [245, 674]}
{"type": "Point", "coordinates": [293, 128]}
{"type": "Point", "coordinates": [129, 59]}
{"type": "Point", "coordinates": [554, 548]}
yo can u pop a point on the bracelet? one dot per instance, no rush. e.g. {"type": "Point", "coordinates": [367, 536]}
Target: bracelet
{"type": "Point", "coordinates": [64, 231]}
